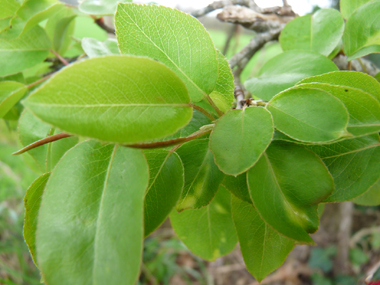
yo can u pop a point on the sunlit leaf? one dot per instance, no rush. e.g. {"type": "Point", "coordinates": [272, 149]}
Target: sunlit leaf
{"type": "Point", "coordinates": [208, 232]}
{"type": "Point", "coordinates": [176, 39]}
{"type": "Point", "coordinates": [347, 7]}
{"type": "Point", "coordinates": [90, 225]}
{"type": "Point", "coordinates": [10, 93]}
{"type": "Point", "coordinates": [120, 99]}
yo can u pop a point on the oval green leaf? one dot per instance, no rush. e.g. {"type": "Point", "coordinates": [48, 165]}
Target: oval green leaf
{"type": "Point", "coordinates": [286, 185]}
{"type": "Point", "coordinates": [93, 47]}
{"type": "Point", "coordinates": [10, 93]}
{"type": "Point", "coordinates": [347, 7]}
{"type": "Point", "coordinates": [320, 32]}
{"type": "Point", "coordinates": [32, 202]}
{"type": "Point", "coordinates": [285, 70]}
{"type": "Point", "coordinates": [202, 176]}
{"type": "Point", "coordinates": [23, 52]}
{"type": "Point", "coordinates": [309, 115]}
{"type": "Point", "coordinates": [354, 164]}
{"type": "Point", "coordinates": [208, 232]}
{"type": "Point", "coordinates": [176, 39]}
{"type": "Point", "coordinates": [121, 99]}
{"type": "Point", "coordinates": [263, 249]}
{"type": "Point", "coordinates": [238, 186]}
{"type": "Point", "coordinates": [93, 198]}
{"type": "Point", "coordinates": [240, 137]}
{"type": "Point", "coordinates": [165, 187]}
{"type": "Point", "coordinates": [223, 94]}
{"type": "Point", "coordinates": [371, 197]}
{"type": "Point", "coordinates": [31, 129]}
{"type": "Point", "coordinates": [100, 7]}
{"type": "Point", "coordinates": [362, 33]}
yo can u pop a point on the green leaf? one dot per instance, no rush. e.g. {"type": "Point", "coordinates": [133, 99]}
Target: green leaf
{"type": "Point", "coordinates": [286, 185]}
{"type": "Point", "coordinates": [31, 13]}
{"type": "Point", "coordinates": [354, 164]}
{"type": "Point", "coordinates": [371, 197]}
{"type": "Point", "coordinates": [238, 186]}
{"type": "Point", "coordinates": [32, 203]}
{"type": "Point", "coordinates": [240, 137]}
{"type": "Point", "coordinates": [263, 249]}
{"type": "Point", "coordinates": [309, 115]}
{"type": "Point", "coordinates": [223, 94]}
{"type": "Point", "coordinates": [10, 93]}
{"type": "Point", "coordinates": [90, 225]}
{"type": "Point", "coordinates": [93, 47]}
{"type": "Point", "coordinates": [320, 32]}
{"type": "Point", "coordinates": [23, 52]}
{"type": "Point", "coordinates": [31, 129]}
{"type": "Point", "coordinates": [285, 70]}
{"type": "Point", "coordinates": [208, 232]}
{"type": "Point", "coordinates": [202, 176]}
{"type": "Point", "coordinates": [176, 39]}
{"type": "Point", "coordinates": [362, 33]}
{"type": "Point", "coordinates": [121, 99]}
{"type": "Point", "coordinates": [100, 7]}
{"type": "Point", "coordinates": [320, 258]}
{"type": "Point", "coordinates": [347, 7]}
{"type": "Point", "coordinates": [8, 10]}
{"type": "Point", "coordinates": [60, 29]}
{"type": "Point", "coordinates": [165, 187]}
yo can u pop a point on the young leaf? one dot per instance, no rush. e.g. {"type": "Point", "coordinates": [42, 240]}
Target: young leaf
{"type": "Point", "coordinates": [60, 29]}
{"type": "Point", "coordinates": [354, 164]}
{"type": "Point", "coordinates": [165, 187]}
{"type": "Point", "coordinates": [23, 52]}
{"type": "Point", "coordinates": [32, 203]}
{"type": "Point", "coordinates": [263, 249]}
{"type": "Point", "coordinates": [121, 99]}
{"type": "Point", "coordinates": [202, 176]}
{"type": "Point", "coordinates": [285, 70]}
{"type": "Point", "coordinates": [347, 7]}
{"type": "Point", "coordinates": [31, 129]}
{"type": "Point", "coordinates": [309, 115]}
{"type": "Point", "coordinates": [90, 225]}
{"type": "Point", "coordinates": [176, 39]}
{"type": "Point", "coordinates": [362, 34]}
{"type": "Point", "coordinates": [31, 13]}
{"type": "Point", "coordinates": [223, 94]}
{"type": "Point", "coordinates": [286, 185]}
{"type": "Point", "coordinates": [371, 197]}
{"type": "Point", "coordinates": [240, 137]}
{"type": "Point", "coordinates": [100, 7]}
{"type": "Point", "coordinates": [93, 47]}
{"type": "Point", "coordinates": [208, 232]}
{"type": "Point", "coordinates": [320, 32]}
{"type": "Point", "coordinates": [238, 186]}
{"type": "Point", "coordinates": [10, 93]}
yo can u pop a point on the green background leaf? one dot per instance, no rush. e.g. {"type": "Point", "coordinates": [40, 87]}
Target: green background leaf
{"type": "Point", "coordinates": [100, 7]}
{"type": "Point", "coordinates": [93, 47]}
{"type": "Point", "coordinates": [93, 198]}
{"type": "Point", "coordinates": [120, 99]}
{"type": "Point", "coordinates": [8, 10]}
{"type": "Point", "coordinates": [263, 248]}
{"type": "Point", "coordinates": [176, 39]}
{"type": "Point", "coordinates": [347, 7]}
{"type": "Point", "coordinates": [202, 176]}
{"type": "Point", "coordinates": [285, 70]}
{"type": "Point", "coordinates": [32, 203]}
{"type": "Point", "coordinates": [23, 52]}
{"type": "Point", "coordinates": [240, 137]}
{"type": "Point", "coordinates": [286, 185]}
{"type": "Point", "coordinates": [165, 187]}
{"type": "Point", "coordinates": [309, 115]}
{"type": "Point", "coordinates": [354, 164]}
{"type": "Point", "coordinates": [362, 33]}
{"type": "Point", "coordinates": [10, 93]}
{"type": "Point", "coordinates": [320, 32]}
{"type": "Point", "coordinates": [371, 197]}
{"type": "Point", "coordinates": [208, 232]}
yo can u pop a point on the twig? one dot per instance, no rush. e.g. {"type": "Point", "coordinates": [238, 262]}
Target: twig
{"type": "Point", "coordinates": [220, 4]}
{"type": "Point", "coordinates": [220, 113]}
{"type": "Point", "coordinates": [285, 3]}
{"type": "Point", "coordinates": [362, 233]}
{"type": "Point", "coordinates": [59, 57]}
{"type": "Point", "coordinates": [239, 93]}
{"type": "Point", "coordinates": [362, 65]}
{"type": "Point", "coordinates": [193, 136]}
{"type": "Point", "coordinates": [365, 66]}
{"type": "Point", "coordinates": [230, 35]}
{"type": "Point", "coordinates": [203, 111]}
{"type": "Point", "coordinates": [41, 142]}
{"type": "Point", "coordinates": [254, 45]}
{"type": "Point", "coordinates": [101, 24]}
{"type": "Point", "coordinates": [39, 81]}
